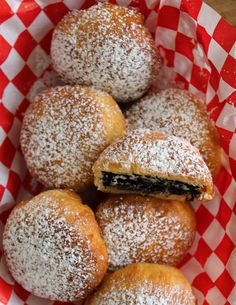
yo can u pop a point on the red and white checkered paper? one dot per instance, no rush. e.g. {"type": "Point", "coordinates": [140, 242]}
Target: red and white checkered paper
{"type": "Point", "coordinates": [199, 53]}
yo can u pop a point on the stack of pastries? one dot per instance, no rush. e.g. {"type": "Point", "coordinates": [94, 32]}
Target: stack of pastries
{"type": "Point", "coordinates": [151, 160]}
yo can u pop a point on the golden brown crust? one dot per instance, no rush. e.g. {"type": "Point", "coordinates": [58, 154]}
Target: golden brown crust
{"type": "Point", "coordinates": [64, 130]}
{"type": "Point", "coordinates": [56, 231]}
{"type": "Point", "coordinates": [142, 284]}
{"type": "Point", "coordinates": [116, 11]}
{"type": "Point", "coordinates": [84, 43]}
{"type": "Point", "coordinates": [113, 120]}
{"type": "Point", "coordinates": [210, 148]}
{"type": "Point", "coordinates": [145, 229]}
{"type": "Point", "coordinates": [149, 153]}
{"type": "Point", "coordinates": [179, 113]}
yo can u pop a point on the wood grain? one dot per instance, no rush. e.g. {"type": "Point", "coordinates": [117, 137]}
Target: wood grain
{"type": "Point", "coordinates": [226, 8]}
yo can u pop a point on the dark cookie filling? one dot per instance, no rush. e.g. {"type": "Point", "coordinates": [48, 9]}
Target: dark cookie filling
{"type": "Point", "coordinates": [148, 184]}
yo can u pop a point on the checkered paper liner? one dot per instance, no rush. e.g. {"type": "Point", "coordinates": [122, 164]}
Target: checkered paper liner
{"type": "Point", "coordinates": [199, 50]}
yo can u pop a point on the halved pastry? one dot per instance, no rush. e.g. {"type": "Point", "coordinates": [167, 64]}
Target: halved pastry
{"type": "Point", "coordinates": [146, 162]}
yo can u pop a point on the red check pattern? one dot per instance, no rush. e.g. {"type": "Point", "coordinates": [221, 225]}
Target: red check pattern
{"type": "Point", "coordinates": [199, 52]}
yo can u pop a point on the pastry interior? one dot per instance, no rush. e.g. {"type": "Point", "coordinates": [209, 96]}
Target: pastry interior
{"type": "Point", "coordinates": [150, 185]}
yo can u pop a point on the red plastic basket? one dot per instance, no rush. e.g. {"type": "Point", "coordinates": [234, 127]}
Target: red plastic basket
{"type": "Point", "coordinates": [199, 51]}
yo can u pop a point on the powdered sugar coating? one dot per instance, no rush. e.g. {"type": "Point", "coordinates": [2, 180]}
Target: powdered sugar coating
{"type": "Point", "coordinates": [144, 229]}
{"type": "Point", "coordinates": [64, 130]}
{"type": "Point", "coordinates": [177, 112]}
{"type": "Point", "coordinates": [145, 152]}
{"type": "Point", "coordinates": [146, 295]}
{"type": "Point", "coordinates": [47, 254]}
{"type": "Point", "coordinates": [107, 47]}
{"type": "Point", "coordinates": [144, 284]}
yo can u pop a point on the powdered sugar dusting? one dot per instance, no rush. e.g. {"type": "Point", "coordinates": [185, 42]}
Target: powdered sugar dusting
{"type": "Point", "coordinates": [175, 112]}
{"type": "Point", "coordinates": [137, 231]}
{"type": "Point", "coordinates": [63, 133]}
{"type": "Point", "coordinates": [108, 47]}
{"type": "Point", "coordinates": [46, 254]}
{"type": "Point", "coordinates": [142, 292]}
{"type": "Point", "coordinates": [140, 295]}
{"type": "Point", "coordinates": [168, 156]}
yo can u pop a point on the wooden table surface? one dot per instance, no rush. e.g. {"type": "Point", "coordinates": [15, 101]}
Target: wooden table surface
{"type": "Point", "coordinates": [227, 8]}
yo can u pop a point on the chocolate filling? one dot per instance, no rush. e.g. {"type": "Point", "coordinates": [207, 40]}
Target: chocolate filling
{"type": "Point", "coordinates": [148, 184]}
